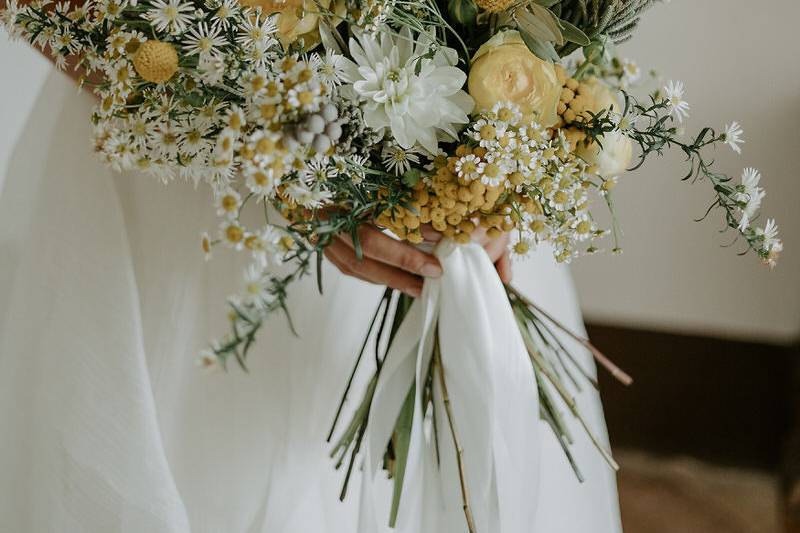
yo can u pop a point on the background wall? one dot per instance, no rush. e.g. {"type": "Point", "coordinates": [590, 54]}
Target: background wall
{"type": "Point", "coordinates": [739, 61]}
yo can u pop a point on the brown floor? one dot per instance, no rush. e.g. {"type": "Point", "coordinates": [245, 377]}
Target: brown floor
{"type": "Point", "coordinates": [686, 496]}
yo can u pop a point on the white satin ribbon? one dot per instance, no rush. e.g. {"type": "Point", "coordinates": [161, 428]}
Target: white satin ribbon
{"type": "Point", "coordinates": [493, 396]}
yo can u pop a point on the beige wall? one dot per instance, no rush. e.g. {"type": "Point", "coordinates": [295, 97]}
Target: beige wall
{"type": "Point", "coordinates": [739, 60]}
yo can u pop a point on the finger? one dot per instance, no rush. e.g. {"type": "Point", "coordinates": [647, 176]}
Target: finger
{"type": "Point", "coordinates": [430, 234]}
{"type": "Point", "coordinates": [385, 249]}
{"type": "Point", "coordinates": [496, 247]}
{"type": "Point", "coordinates": [504, 267]}
{"type": "Point", "coordinates": [373, 271]}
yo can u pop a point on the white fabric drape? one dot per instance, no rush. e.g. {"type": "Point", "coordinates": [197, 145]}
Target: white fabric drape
{"type": "Point", "coordinates": [106, 424]}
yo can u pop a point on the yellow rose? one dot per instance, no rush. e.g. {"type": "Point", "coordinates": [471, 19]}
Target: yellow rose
{"type": "Point", "coordinates": [504, 70]}
{"type": "Point", "coordinates": [296, 18]}
{"type": "Point", "coordinates": [613, 159]}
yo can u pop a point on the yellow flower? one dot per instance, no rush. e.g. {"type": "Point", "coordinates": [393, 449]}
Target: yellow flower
{"type": "Point", "coordinates": [504, 70]}
{"type": "Point", "coordinates": [296, 18]}
{"type": "Point", "coordinates": [156, 61]}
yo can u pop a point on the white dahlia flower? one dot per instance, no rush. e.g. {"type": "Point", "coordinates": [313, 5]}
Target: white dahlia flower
{"type": "Point", "coordinates": [417, 97]}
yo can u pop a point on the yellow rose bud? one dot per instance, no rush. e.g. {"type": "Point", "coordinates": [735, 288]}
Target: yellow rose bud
{"type": "Point", "coordinates": [505, 70]}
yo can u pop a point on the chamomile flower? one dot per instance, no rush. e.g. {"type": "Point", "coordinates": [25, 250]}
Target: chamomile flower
{"type": "Point", "coordinates": [205, 245]}
{"type": "Point", "coordinates": [678, 107]}
{"type": "Point", "coordinates": [232, 234]}
{"type": "Point", "coordinates": [171, 16]}
{"type": "Point", "coordinates": [470, 167]}
{"type": "Point", "coordinates": [507, 112]}
{"type": "Point", "coordinates": [228, 203]}
{"type": "Point", "coordinates": [318, 169]}
{"type": "Point", "coordinates": [733, 136]}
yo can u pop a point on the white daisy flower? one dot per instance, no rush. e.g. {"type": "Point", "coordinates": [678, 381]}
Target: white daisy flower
{"type": "Point", "coordinates": [308, 197]}
{"type": "Point", "coordinates": [203, 41]}
{"type": "Point", "coordinates": [749, 195]}
{"type": "Point", "coordinates": [470, 167]}
{"type": "Point", "coordinates": [172, 16]}
{"type": "Point", "coordinates": [208, 361]}
{"type": "Point", "coordinates": [318, 169]}
{"type": "Point", "coordinates": [507, 112]}
{"type": "Point", "coordinates": [228, 203]}
{"type": "Point", "coordinates": [226, 10]}
{"type": "Point", "coordinates": [398, 159]}
{"type": "Point", "coordinates": [256, 287]}
{"type": "Point", "coordinates": [733, 136]}
{"type": "Point", "coordinates": [329, 68]}
{"type": "Point", "coordinates": [260, 179]}
{"type": "Point", "coordinates": [630, 72]}
{"type": "Point", "coordinates": [673, 93]}
{"type": "Point", "coordinates": [232, 234]}
{"type": "Point", "coordinates": [257, 32]}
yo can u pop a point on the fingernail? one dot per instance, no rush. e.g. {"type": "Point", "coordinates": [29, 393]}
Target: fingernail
{"type": "Point", "coordinates": [431, 270]}
{"type": "Point", "coordinates": [414, 292]}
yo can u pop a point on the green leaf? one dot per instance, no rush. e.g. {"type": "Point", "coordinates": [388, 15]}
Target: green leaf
{"type": "Point", "coordinates": [463, 11]}
{"type": "Point", "coordinates": [543, 50]}
{"type": "Point", "coordinates": [411, 177]}
{"type": "Point", "coordinates": [574, 34]}
{"type": "Point", "coordinates": [540, 23]}
{"type": "Point", "coordinates": [402, 438]}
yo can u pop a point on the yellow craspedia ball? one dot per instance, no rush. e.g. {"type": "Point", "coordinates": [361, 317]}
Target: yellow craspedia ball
{"type": "Point", "coordinates": [494, 6]}
{"type": "Point", "coordinates": [156, 61]}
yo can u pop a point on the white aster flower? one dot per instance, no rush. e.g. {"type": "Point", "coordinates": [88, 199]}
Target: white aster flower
{"type": "Point", "coordinates": [329, 68]}
{"type": "Point", "coordinates": [630, 72]}
{"type": "Point", "coordinates": [208, 361]}
{"type": "Point", "coordinates": [771, 245]}
{"type": "Point", "coordinates": [257, 32]}
{"type": "Point", "coordinates": [203, 41]}
{"type": "Point", "coordinates": [398, 159]}
{"type": "Point", "coordinates": [414, 96]}
{"type": "Point", "coordinates": [733, 136]}
{"type": "Point", "coordinates": [256, 287]}
{"type": "Point", "coordinates": [678, 107]}
{"type": "Point", "coordinates": [310, 197]}
{"type": "Point", "coordinates": [749, 195]}
{"type": "Point", "coordinates": [172, 16]}
{"type": "Point", "coordinates": [226, 10]}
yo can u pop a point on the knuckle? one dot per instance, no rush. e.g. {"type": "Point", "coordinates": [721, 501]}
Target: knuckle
{"type": "Point", "coordinates": [411, 262]}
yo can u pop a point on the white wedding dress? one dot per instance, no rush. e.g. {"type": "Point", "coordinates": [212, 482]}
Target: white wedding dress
{"type": "Point", "coordinates": [106, 423]}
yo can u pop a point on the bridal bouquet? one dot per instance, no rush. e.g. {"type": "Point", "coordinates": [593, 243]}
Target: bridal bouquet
{"type": "Point", "coordinates": [310, 118]}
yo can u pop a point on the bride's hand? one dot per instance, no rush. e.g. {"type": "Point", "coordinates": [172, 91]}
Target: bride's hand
{"type": "Point", "coordinates": [400, 265]}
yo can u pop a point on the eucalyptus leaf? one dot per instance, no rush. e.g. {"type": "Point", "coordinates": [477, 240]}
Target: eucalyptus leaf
{"type": "Point", "coordinates": [463, 11]}
{"type": "Point", "coordinates": [543, 50]}
{"type": "Point", "coordinates": [540, 23]}
{"type": "Point", "coordinates": [574, 34]}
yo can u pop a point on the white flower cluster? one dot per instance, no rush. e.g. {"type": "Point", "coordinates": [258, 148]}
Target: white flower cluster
{"type": "Point", "coordinates": [541, 170]}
